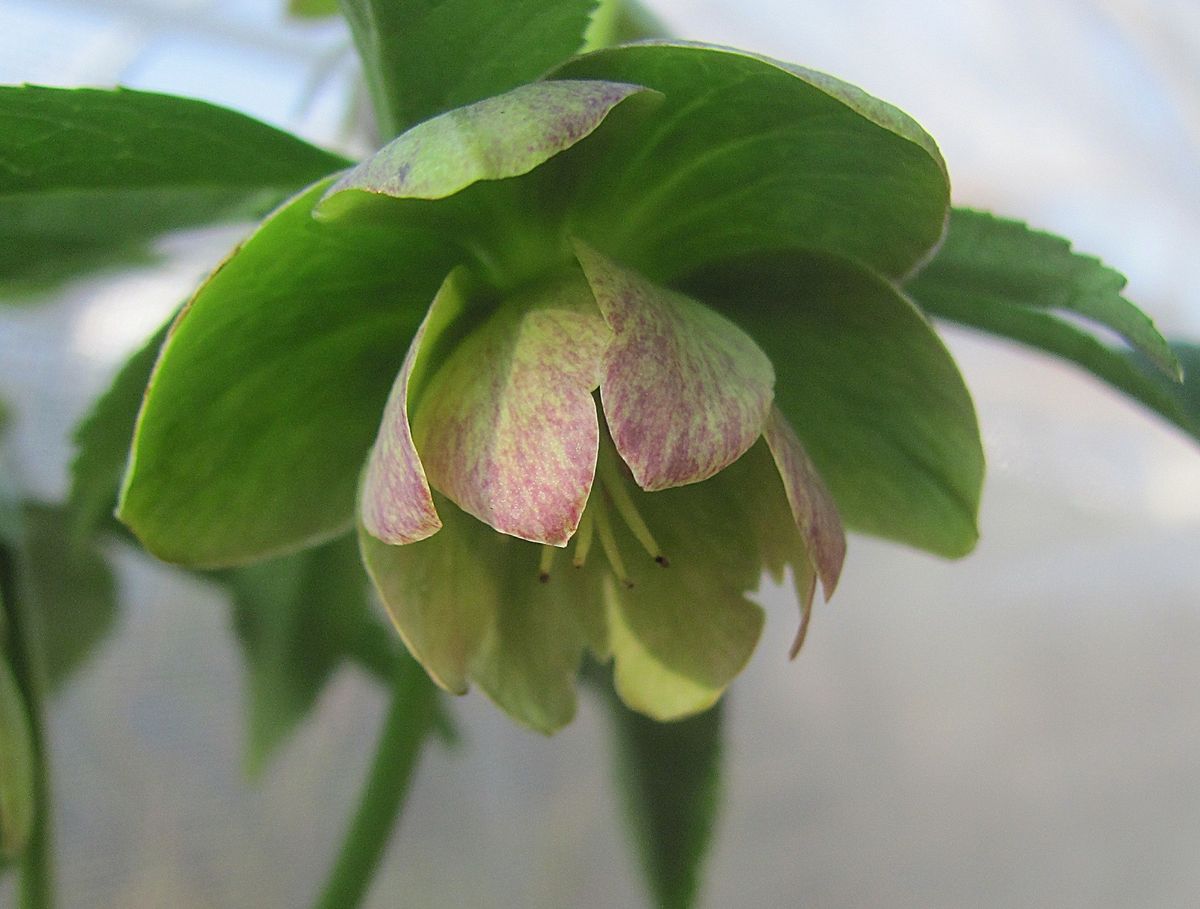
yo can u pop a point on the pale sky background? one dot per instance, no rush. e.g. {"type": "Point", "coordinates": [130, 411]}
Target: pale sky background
{"type": "Point", "coordinates": [1021, 728]}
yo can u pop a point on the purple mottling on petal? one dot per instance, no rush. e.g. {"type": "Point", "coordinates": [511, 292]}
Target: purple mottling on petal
{"type": "Point", "coordinates": [685, 391]}
{"type": "Point", "coordinates": [397, 506]}
{"type": "Point", "coordinates": [812, 506]}
{"type": "Point", "coordinates": [508, 428]}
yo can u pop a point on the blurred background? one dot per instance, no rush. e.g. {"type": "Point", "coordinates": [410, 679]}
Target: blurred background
{"type": "Point", "coordinates": [1018, 729]}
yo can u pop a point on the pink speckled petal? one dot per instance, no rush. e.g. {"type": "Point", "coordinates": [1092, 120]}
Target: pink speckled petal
{"type": "Point", "coordinates": [813, 508]}
{"type": "Point", "coordinates": [685, 391]}
{"type": "Point", "coordinates": [396, 503]}
{"type": "Point", "coordinates": [507, 427]}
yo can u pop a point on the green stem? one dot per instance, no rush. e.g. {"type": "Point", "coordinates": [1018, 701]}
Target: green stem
{"type": "Point", "coordinates": [408, 722]}
{"type": "Point", "coordinates": [24, 637]}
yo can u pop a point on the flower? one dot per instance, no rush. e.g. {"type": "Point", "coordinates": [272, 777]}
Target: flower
{"type": "Point", "coordinates": [505, 426]}
{"type": "Point", "coordinates": [647, 303]}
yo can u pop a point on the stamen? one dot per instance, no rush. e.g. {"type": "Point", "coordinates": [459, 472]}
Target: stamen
{"type": "Point", "coordinates": [583, 539]}
{"type": "Point", "coordinates": [614, 485]}
{"type": "Point", "coordinates": [609, 543]}
{"type": "Point", "coordinates": [546, 561]}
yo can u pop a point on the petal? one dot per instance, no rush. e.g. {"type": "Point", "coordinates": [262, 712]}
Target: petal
{"type": "Point", "coordinates": [470, 606]}
{"type": "Point", "coordinates": [507, 427]}
{"type": "Point", "coordinates": [529, 659]}
{"type": "Point", "coordinates": [681, 633]}
{"type": "Point", "coordinates": [812, 507]}
{"type": "Point", "coordinates": [440, 593]}
{"type": "Point", "coordinates": [505, 136]}
{"type": "Point", "coordinates": [871, 389]}
{"type": "Point", "coordinates": [396, 503]}
{"type": "Point", "coordinates": [748, 154]}
{"type": "Point", "coordinates": [685, 391]}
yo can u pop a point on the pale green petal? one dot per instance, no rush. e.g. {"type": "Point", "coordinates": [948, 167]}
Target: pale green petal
{"type": "Point", "coordinates": [686, 392]}
{"type": "Point", "coordinates": [441, 593]}
{"type": "Point", "coordinates": [681, 633]}
{"type": "Point", "coordinates": [507, 426]}
{"type": "Point", "coordinates": [471, 605]}
{"type": "Point", "coordinates": [530, 656]}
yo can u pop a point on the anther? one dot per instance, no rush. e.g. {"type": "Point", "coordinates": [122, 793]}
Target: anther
{"type": "Point", "coordinates": [609, 543]}
{"type": "Point", "coordinates": [614, 484]}
{"type": "Point", "coordinates": [546, 561]}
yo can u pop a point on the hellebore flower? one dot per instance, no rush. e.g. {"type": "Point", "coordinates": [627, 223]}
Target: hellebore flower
{"type": "Point", "coordinates": [635, 312]}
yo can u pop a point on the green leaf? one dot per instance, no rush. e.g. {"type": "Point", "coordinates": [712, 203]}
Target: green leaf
{"type": "Point", "coordinates": [72, 588]}
{"type": "Point", "coordinates": [268, 391]}
{"type": "Point", "coordinates": [869, 388]}
{"type": "Point", "coordinates": [670, 774]}
{"type": "Point", "coordinates": [88, 175]}
{"type": "Point", "coordinates": [103, 438]}
{"type": "Point", "coordinates": [1124, 370]}
{"type": "Point", "coordinates": [297, 618]}
{"type": "Point", "coordinates": [995, 263]}
{"type": "Point", "coordinates": [423, 57]}
{"type": "Point", "coordinates": [747, 154]}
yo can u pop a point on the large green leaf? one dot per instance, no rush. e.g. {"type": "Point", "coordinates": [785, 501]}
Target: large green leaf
{"type": "Point", "coordinates": [869, 388]}
{"type": "Point", "coordinates": [670, 775]}
{"type": "Point", "coordinates": [747, 154]}
{"type": "Point", "coordinates": [994, 263]}
{"type": "Point", "coordinates": [423, 57]}
{"type": "Point", "coordinates": [88, 175]}
{"type": "Point", "coordinates": [296, 617]}
{"type": "Point", "coordinates": [268, 392]}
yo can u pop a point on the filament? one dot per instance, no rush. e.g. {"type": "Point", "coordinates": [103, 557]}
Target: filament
{"type": "Point", "coordinates": [615, 486]}
{"type": "Point", "coordinates": [583, 539]}
{"type": "Point", "coordinates": [609, 543]}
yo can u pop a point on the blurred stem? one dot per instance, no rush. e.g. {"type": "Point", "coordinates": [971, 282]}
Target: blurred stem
{"type": "Point", "coordinates": [617, 21]}
{"type": "Point", "coordinates": [24, 642]}
{"type": "Point", "coordinates": [406, 726]}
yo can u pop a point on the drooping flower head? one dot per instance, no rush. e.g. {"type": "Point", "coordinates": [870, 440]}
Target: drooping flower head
{"type": "Point", "coordinates": [582, 355]}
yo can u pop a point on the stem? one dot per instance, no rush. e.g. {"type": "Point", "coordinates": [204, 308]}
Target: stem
{"type": "Point", "coordinates": [24, 637]}
{"type": "Point", "coordinates": [408, 722]}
